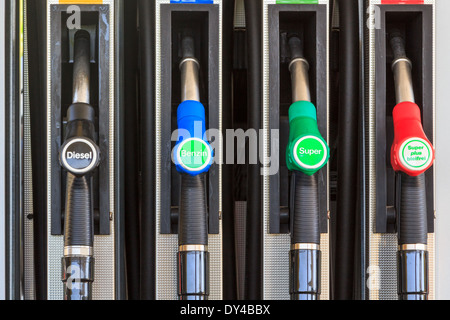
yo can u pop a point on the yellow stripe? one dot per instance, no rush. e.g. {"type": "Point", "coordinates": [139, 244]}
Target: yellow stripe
{"type": "Point", "coordinates": [80, 1]}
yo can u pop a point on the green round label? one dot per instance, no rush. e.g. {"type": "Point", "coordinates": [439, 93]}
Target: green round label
{"type": "Point", "coordinates": [415, 154]}
{"type": "Point", "coordinates": [310, 152]}
{"type": "Point", "coordinates": [194, 154]}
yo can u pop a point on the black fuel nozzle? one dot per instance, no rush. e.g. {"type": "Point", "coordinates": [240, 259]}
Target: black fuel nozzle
{"type": "Point", "coordinates": [79, 156]}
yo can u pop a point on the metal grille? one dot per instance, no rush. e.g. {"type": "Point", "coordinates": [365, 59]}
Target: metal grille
{"type": "Point", "coordinates": [240, 225]}
{"type": "Point", "coordinates": [382, 247]}
{"type": "Point", "coordinates": [28, 253]}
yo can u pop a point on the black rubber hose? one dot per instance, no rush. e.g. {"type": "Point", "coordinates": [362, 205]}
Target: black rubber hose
{"type": "Point", "coordinates": [193, 215]}
{"type": "Point", "coordinates": [37, 73]}
{"type": "Point", "coordinates": [187, 45]}
{"type": "Point", "coordinates": [348, 149]}
{"type": "Point", "coordinates": [305, 264]}
{"type": "Point", "coordinates": [132, 232]}
{"type": "Point", "coordinates": [229, 249]}
{"type": "Point", "coordinates": [253, 265]}
{"type": "Point", "coordinates": [360, 271]}
{"type": "Point", "coordinates": [397, 43]}
{"type": "Point", "coordinates": [306, 210]}
{"type": "Point", "coordinates": [413, 228]}
{"type": "Point", "coordinates": [79, 219]}
{"type": "Point", "coordinates": [147, 111]}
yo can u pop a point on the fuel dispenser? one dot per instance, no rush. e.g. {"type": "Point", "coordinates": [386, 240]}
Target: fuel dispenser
{"type": "Point", "coordinates": [115, 186]}
{"type": "Point", "coordinates": [188, 103]}
{"type": "Point", "coordinates": [296, 226]}
{"type": "Point", "coordinates": [401, 109]}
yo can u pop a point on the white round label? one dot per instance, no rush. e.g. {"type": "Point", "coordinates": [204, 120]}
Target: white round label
{"type": "Point", "coordinates": [310, 152]}
{"type": "Point", "coordinates": [416, 154]}
{"type": "Point", "coordinates": [194, 154]}
{"type": "Point", "coordinates": [79, 156]}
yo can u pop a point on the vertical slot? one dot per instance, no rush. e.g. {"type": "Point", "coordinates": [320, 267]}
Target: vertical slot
{"type": "Point", "coordinates": [309, 23]}
{"type": "Point", "coordinates": [96, 24]}
{"type": "Point", "coordinates": [199, 20]}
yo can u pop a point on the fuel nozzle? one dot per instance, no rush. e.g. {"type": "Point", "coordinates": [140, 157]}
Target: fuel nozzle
{"type": "Point", "coordinates": [79, 156]}
{"type": "Point", "coordinates": [411, 155]}
{"type": "Point", "coordinates": [307, 150]}
{"type": "Point", "coordinates": [306, 154]}
{"type": "Point", "coordinates": [193, 158]}
{"type": "Point", "coordinates": [192, 154]}
{"type": "Point", "coordinates": [412, 152]}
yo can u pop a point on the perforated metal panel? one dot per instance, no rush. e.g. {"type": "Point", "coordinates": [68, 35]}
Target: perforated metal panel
{"type": "Point", "coordinates": [28, 242]}
{"type": "Point", "coordinates": [276, 247]}
{"type": "Point", "coordinates": [240, 223]}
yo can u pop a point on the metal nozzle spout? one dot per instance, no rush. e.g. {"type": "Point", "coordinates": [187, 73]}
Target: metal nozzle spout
{"type": "Point", "coordinates": [189, 68]}
{"type": "Point", "coordinates": [299, 68]}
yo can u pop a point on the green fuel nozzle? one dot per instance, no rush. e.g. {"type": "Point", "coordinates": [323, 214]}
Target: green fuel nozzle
{"type": "Point", "coordinates": [307, 150]}
{"type": "Point", "coordinates": [307, 153]}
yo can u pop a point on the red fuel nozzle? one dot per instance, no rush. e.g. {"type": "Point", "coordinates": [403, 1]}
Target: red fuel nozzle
{"type": "Point", "coordinates": [411, 152]}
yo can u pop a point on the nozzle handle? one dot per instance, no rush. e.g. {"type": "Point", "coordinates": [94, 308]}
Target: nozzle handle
{"type": "Point", "coordinates": [307, 150]}
{"type": "Point", "coordinates": [411, 151]}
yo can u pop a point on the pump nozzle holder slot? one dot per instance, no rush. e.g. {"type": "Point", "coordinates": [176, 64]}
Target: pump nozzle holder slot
{"type": "Point", "coordinates": [298, 81]}
{"type": "Point", "coordinates": [190, 88]}
{"type": "Point", "coordinates": [403, 100]}
{"type": "Point", "coordinates": [80, 111]}
{"type": "Point", "coordinates": [411, 152]}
